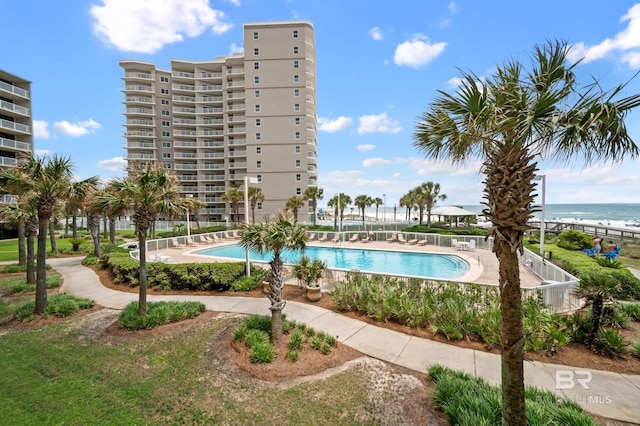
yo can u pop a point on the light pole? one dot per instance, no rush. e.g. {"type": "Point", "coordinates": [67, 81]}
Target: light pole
{"type": "Point", "coordinates": [247, 181]}
{"type": "Point", "coordinates": [543, 179]}
{"type": "Point", "coordinates": [384, 211]}
{"type": "Point", "coordinates": [188, 214]}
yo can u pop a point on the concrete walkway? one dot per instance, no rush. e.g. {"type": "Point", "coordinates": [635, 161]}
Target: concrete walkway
{"type": "Point", "coordinates": [611, 395]}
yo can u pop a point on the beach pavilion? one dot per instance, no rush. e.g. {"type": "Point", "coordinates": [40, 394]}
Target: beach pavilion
{"type": "Point", "coordinates": [451, 212]}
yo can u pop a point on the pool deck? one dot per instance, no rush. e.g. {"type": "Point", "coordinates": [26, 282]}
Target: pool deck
{"type": "Point", "coordinates": [483, 263]}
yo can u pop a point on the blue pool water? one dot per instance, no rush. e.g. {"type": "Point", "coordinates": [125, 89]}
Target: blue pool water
{"type": "Point", "coordinates": [389, 262]}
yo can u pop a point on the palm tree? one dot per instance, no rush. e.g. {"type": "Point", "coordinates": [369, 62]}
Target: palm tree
{"type": "Point", "coordinates": [333, 202]}
{"type": "Point", "coordinates": [234, 195]}
{"type": "Point", "coordinates": [75, 197]}
{"type": "Point", "coordinates": [46, 180]}
{"type": "Point", "coordinates": [294, 204]}
{"type": "Point", "coordinates": [150, 191]}
{"type": "Point", "coordinates": [274, 237]}
{"type": "Point", "coordinates": [343, 201]}
{"type": "Point", "coordinates": [509, 119]}
{"type": "Point", "coordinates": [596, 290]}
{"type": "Point", "coordinates": [362, 202]}
{"type": "Point", "coordinates": [408, 201]}
{"type": "Point", "coordinates": [23, 216]}
{"type": "Point", "coordinates": [426, 196]}
{"type": "Point", "coordinates": [378, 202]}
{"type": "Point", "coordinates": [255, 196]}
{"type": "Point", "coordinates": [313, 194]}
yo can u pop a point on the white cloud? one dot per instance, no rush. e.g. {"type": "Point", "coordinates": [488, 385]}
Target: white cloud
{"type": "Point", "coordinates": [333, 126]}
{"type": "Point", "coordinates": [41, 152]}
{"type": "Point", "coordinates": [378, 124]}
{"type": "Point", "coordinates": [236, 49]}
{"type": "Point", "coordinates": [429, 167]}
{"type": "Point", "coordinates": [453, 8]}
{"type": "Point", "coordinates": [75, 129]}
{"type": "Point", "coordinates": [417, 51]}
{"type": "Point", "coordinates": [116, 164]}
{"type": "Point", "coordinates": [146, 26]}
{"type": "Point", "coordinates": [454, 82]}
{"type": "Point", "coordinates": [625, 41]}
{"type": "Point", "coordinates": [376, 162]}
{"type": "Point", "coordinates": [41, 129]}
{"type": "Point", "coordinates": [376, 33]}
{"type": "Point", "coordinates": [365, 147]}
{"type": "Point", "coordinates": [234, 2]}
{"type": "Point", "coordinates": [396, 175]}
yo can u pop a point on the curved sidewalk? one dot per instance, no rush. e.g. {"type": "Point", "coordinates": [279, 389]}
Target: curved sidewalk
{"type": "Point", "coordinates": [611, 395]}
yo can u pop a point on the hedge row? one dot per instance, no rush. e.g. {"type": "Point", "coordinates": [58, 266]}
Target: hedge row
{"type": "Point", "coordinates": [186, 276]}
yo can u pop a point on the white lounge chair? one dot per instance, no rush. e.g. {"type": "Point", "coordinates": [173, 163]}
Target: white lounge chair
{"type": "Point", "coordinates": [401, 239]}
{"type": "Point", "coordinates": [336, 239]}
{"type": "Point", "coordinates": [422, 242]}
{"type": "Point", "coordinates": [472, 245]}
{"type": "Point", "coordinates": [176, 244]}
{"type": "Point", "coordinates": [392, 239]}
{"type": "Point", "coordinates": [353, 238]}
{"type": "Point", "coordinates": [311, 237]}
{"type": "Point", "coordinates": [323, 238]}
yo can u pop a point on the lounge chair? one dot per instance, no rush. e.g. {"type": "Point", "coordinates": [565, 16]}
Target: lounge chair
{"type": "Point", "coordinates": [176, 244]}
{"type": "Point", "coordinates": [412, 241]}
{"type": "Point", "coordinates": [353, 238]}
{"type": "Point", "coordinates": [311, 237]}
{"type": "Point", "coordinates": [367, 238]}
{"type": "Point", "coordinates": [422, 242]}
{"type": "Point", "coordinates": [336, 239]}
{"type": "Point", "coordinates": [392, 239]}
{"type": "Point", "coordinates": [323, 238]}
{"type": "Point", "coordinates": [401, 239]}
{"type": "Point", "coordinates": [189, 241]}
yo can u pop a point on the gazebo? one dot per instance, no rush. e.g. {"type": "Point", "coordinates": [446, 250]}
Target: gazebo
{"type": "Point", "coordinates": [451, 211]}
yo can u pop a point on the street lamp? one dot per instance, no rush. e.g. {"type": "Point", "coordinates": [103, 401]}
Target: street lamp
{"type": "Point", "coordinates": [247, 181]}
{"type": "Point", "coordinates": [543, 179]}
{"type": "Point", "coordinates": [384, 211]}
{"type": "Point", "coordinates": [188, 214]}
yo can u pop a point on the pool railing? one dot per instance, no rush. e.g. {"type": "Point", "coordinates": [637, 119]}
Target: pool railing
{"type": "Point", "coordinates": [557, 289]}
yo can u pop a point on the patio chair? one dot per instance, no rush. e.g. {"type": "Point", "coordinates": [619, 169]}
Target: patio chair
{"type": "Point", "coordinates": [336, 239]}
{"type": "Point", "coordinates": [312, 237]}
{"type": "Point", "coordinates": [176, 244]}
{"type": "Point", "coordinates": [422, 242]}
{"type": "Point", "coordinates": [412, 241]}
{"type": "Point", "coordinates": [323, 238]}
{"type": "Point", "coordinates": [392, 239]}
{"type": "Point", "coordinates": [401, 239]}
{"type": "Point", "coordinates": [454, 244]}
{"type": "Point", "coordinates": [189, 241]}
{"type": "Point", "coordinates": [472, 245]}
{"type": "Point", "coordinates": [353, 238]}
{"type": "Point", "coordinates": [368, 237]}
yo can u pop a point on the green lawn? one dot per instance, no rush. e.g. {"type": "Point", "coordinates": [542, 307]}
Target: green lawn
{"type": "Point", "coordinates": [55, 375]}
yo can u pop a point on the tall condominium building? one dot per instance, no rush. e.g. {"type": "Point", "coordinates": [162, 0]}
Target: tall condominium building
{"type": "Point", "coordinates": [16, 123]}
{"type": "Point", "coordinates": [214, 122]}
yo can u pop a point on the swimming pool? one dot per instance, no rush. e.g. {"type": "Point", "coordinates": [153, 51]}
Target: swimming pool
{"type": "Point", "coordinates": [430, 265]}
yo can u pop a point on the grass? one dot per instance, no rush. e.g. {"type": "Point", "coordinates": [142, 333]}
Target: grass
{"type": "Point", "coordinates": [9, 248]}
{"type": "Point", "coordinates": [55, 375]}
{"type": "Point", "coordinates": [19, 284]}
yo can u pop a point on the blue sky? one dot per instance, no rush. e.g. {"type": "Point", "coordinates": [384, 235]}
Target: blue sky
{"type": "Point", "coordinates": [379, 65]}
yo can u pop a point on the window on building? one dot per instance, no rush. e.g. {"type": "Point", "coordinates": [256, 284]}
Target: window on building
{"type": "Point", "coordinates": [298, 191]}
{"type": "Point", "coordinates": [164, 91]}
{"type": "Point", "coordinates": [164, 79]}
{"type": "Point", "coordinates": [166, 134]}
{"type": "Point", "coordinates": [256, 79]}
{"type": "Point", "coordinates": [298, 162]}
{"type": "Point", "coordinates": [256, 65]}
{"type": "Point", "coordinates": [166, 144]}
{"type": "Point", "coordinates": [256, 51]}
{"type": "Point", "coordinates": [164, 101]}
{"type": "Point", "coordinates": [295, 33]}
{"type": "Point", "coordinates": [256, 94]}
{"type": "Point", "coordinates": [167, 165]}
{"type": "Point", "coordinates": [259, 177]}
{"type": "Point", "coordinates": [258, 122]}
{"type": "Point", "coordinates": [259, 205]}
{"type": "Point", "coordinates": [296, 78]}
{"type": "Point", "coordinates": [298, 177]}
{"type": "Point", "coordinates": [296, 107]}
{"type": "Point", "coordinates": [296, 64]}
{"type": "Point", "coordinates": [296, 92]}
{"type": "Point", "coordinates": [298, 149]}
{"type": "Point", "coordinates": [295, 50]}
{"type": "Point", "coordinates": [258, 136]}
{"type": "Point", "coordinates": [166, 155]}
{"type": "Point", "coordinates": [257, 107]}
{"type": "Point", "coordinates": [297, 121]}
{"type": "Point", "coordinates": [255, 35]}
{"type": "Point", "coordinates": [258, 164]}
{"type": "Point", "coordinates": [165, 112]}
{"type": "Point", "coordinates": [258, 150]}
{"type": "Point", "coordinates": [297, 135]}
{"type": "Point", "coordinates": [166, 123]}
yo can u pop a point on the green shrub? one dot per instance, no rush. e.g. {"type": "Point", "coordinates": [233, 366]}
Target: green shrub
{"type": "Point", "coordinates": [332, 341]}
{"type": "Point", "coordinates": [158, 313]}
{"type": "Point", "coordinates": [292, 355]}
{"type": "Point", "coordinates": [574, 240]}
{"type": "Point", "coordinates": [25, 311]}
{"type": "Point", "coordinates": [610, 343]}
{"type": "Point", "coordinates": [296, 340]}
{"type": "Point", "coordinates": [240, 333]}
{"type": "Point", "coordinates": [316, 342]}
{"type": "Point", "coordinates": [632, 310]}
{"type": "Point", "coordinates": [609, 263]}
{"type": "Point", "coordinates": [262, 353]}
{"type": "Point", "coordinates": [90, 260]}
{"type": "Point", "coordinates": [288, 326]}
{"type": "Point", "coordinates": [15, 268]}
{"type": "Point", "coordinates": [254, 337]}
{"type": "Point", "coordinates": [636, 348]}
{"type": "Point", "coordinates": [246, 283]}
{"type": "Point", "coordinates": [60, 305]}
{"type": "Point", "coordinates": [258, 322]}
{"type": "Point", "coordinates": [325, 348]}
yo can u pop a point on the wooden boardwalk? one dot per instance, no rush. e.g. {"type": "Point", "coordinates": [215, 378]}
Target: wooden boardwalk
{"type": "Point", "coordinates": [588, 228]}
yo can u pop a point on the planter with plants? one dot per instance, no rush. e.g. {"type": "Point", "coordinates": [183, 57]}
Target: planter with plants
{"type": "Point", "coordinates": [308, 273]}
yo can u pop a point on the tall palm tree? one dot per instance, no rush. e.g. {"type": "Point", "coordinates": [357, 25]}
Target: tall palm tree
{"type": "Point", "coordinates": [273, 237]}
{"type": "Point", "coordinates": [294, 204]}
{"type": "Point", "coordinates": [313, 194]}
{"type": "Point", "coordinates": [426, 196]}
{"type": "Point", "coordinates": [149, 192]}
{"type": "Point", "coordinates": [362, 202]}
{"type": "Point", "coordinates": [22, 215]}
{"type": "Point", "coordinates": [333, 202]}
{"type": "Point", "coordinates": [343, 202]}
{"type": "Point", "coordinates": [510, 119]}
{"type": "Point", "coordinates": [234, 195]}
{"type": "Point", "coordinates": [75, 197]}
{"type": "Point", "coordinates": [408, 201]}
{"type": "Point", "coordinates": [377, 202]}
{"type": "Point", "coordinates": [46, 180]}
{"type": "Point", "coordinates": [255, 196]}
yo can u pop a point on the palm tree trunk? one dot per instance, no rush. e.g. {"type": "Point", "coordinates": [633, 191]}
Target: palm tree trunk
{"type": "Point", "coordinates": [22, 252]}
{"type": "Point", "coordinates": [66, 225]}
{"type": "Point", "coordinates": [41, 270]}
{"type": "Point", "coordinates": [511, 336]}
{"type": "Point", "coordinates": [52, 237]}
{"type": "Point", "coordinates": [112, 229]}
{"type": "Point", "coordinates": [275, 296]}
{"type": "Point", "coordinates": [93, 221]}
{"type": "Point", "coordinates": [596, 315]}
{"type": "Point", "coordinates": [31, 259]}
{"type": "Point", "coordinates": [74, 225]}
{"type": "Point", "coordinates": [105, 223]}
{"type": "Point", "coordinates": [142, 295]}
